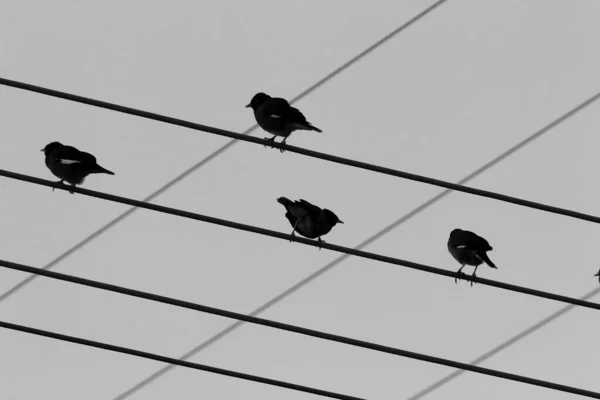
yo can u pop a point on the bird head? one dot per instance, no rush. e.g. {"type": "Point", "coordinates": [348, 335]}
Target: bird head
{"type": "Point", "coordinates": [455, 236]}
{"type": "Point", "coordinates": [50, 147]}
{"type": "Point", "coordinates": [597, 273]}
{"type": "Point", "coordinates": [258, 100]}
{"type": "Point", "coordinates": [284, 201]}
{"type": "Point", "coordinates": [331, 218]}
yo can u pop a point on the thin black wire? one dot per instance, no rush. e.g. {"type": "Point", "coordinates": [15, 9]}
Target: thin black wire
{"type": "Point", "coordinates": [187, 364]}
{"type": "Point", "coordinates": [285, 236]}
{"type": "Point", "coordinates": [288, 328]}
{"type": "Point", "coordinates": [298, 285]}
{"type": "Point", "coordinates": [502, 346]}
{"type": "Point", "coordinates": [221, 150]}
{"type": "Point", "coordinates": [324, 156]}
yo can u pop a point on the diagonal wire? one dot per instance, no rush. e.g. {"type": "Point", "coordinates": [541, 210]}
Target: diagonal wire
{"type": "Point", "coordinates": [330, 157]}
{"type": "Point", "coordinates": [288, 292]}
{"type": "Point", "coordinates": [279, 235]}
{"type": "Point", "coordinates": [502, 346]}
{"type": "Point", "coordinates": [215, 370]}
{"type": "Point", "coordinates": [288, 328]}
{"type": "Point", "coordinates": [219, 151]}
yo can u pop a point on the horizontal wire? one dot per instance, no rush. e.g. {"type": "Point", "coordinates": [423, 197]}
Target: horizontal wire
{"type": "Point", "coordinates": [502, 346]}
{"type": "Point", "coordinates": [187, 364]}
{"type": "Point", "coordinates": [285, 236]}
{"type": "Point", "coordinates": [221, 150]}
{"type": "Point", "coordinates": [319, 155]}
{"type": "Point", "coordinates": [322, 270]}
{"type": "Point", "coordinates": [295, 329]}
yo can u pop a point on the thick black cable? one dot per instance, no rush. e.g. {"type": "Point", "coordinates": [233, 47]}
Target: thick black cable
{"type": "Point", "coordinates": [319, 155]}
{"type": "Point", "coordinates": [169, 360]}
{"type": "Point", "coordinates": [325, 268]}
{"type": "Point", "coordinates": [284, 327]}
{"type": "Point", "coordinates": [502, 346]}
{"type": "Point", "coordinates": [343, 67]}
{"type": "Point", "coordinates": [285, 236]}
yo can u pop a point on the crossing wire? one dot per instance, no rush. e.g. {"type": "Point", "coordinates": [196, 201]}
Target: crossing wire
{"type": "Point", "coordinates": [332, 264]}
{"type": "Point", "coordinates": [182, 363]}
{"type": "Point", "coordinates": [279, 235]}
{"type": "Point", "coordinates": [323, 156]}
{"type": "Point", "coordinates": [225, 147]}
{"type": "Point", "coordinates": [284, 327]}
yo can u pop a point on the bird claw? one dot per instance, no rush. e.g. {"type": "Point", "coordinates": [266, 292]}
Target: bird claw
{"type": "Point", "coordinates": [272, 140]}
{"type": "Point", "coordinates": [58, 183]}
{"type": "Point", "coordinates": [460, 275]}
{"type": "Point", "coordinates": [472, 280]}
{"type": "Point", "coordinates": [320, 241]}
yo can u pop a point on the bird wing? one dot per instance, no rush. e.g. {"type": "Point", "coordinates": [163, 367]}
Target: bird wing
{"type": "Point", "coordinates": [291, 218]}
{"type": "Point", "coordinates": [279, 108]}
{"type": "Point", "coordinates": [310, 208]}
{"type": "Point", "coordinates": [70, 155]}
{"type": "Point", "coordinates": [473, 241]}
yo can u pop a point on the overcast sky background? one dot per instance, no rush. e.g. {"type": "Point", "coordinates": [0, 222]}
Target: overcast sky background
{"type": "Point", "coordinates": [441, 99]}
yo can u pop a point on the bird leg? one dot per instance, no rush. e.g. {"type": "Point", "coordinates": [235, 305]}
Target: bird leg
{"type": "Point", "coordinates": [321, 241]}
{"type": "Point", "coordinates": [71, 191]}
{"type": "Point", "coordinates": [282, 144]}
{"type": "Point", "coordinates": [272, 140]}
{"type": "Point", "coordinates": [474, 276]}
{"type": "Point", "coordinates": [295, 225]}
{"type": "Point", "coordinates": [58, 182]}
{"type": "Point", "coordinates": [459, 273]}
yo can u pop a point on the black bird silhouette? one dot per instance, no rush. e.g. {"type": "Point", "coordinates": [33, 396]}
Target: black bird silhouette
{"type": "Point", "coordinates": [70, 164]}
{"type": "Point", "coordinates": [307, 219]}
{"type": "Point", "coordinates": [276, 116]}
{"type": "Point", "coordinates": [598, 275]}
{"type": "Point", "coordinates": [469, 249]}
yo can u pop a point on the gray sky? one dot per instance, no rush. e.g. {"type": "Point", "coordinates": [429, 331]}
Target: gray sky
{"type": "Point", "coordinates": [441, 99]}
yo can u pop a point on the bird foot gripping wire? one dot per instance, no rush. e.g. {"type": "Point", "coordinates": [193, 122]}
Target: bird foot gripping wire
{"type": "Point", "coordinates": [320, 241]}
{"type": "Point", "coordinates": [272, 140]}
{"type": "Point", "coordinates": [472, 280]}
{"type": "Point", "coordinates": [460, 275]}
{"type": "Point", "coordinates": [62, 183]}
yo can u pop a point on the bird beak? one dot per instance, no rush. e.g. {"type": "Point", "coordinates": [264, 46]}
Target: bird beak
{"type": "Point", "coordinates": [597, 274]}
{"type": "Point", "coordinates": [42, 149]}
{"type": "Point", "coordinates": [341, 222]}
{"type": "Point", "coordinates": [248, 105]}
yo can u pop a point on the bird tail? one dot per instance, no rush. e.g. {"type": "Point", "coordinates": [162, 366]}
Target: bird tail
{"type": "Point", "coordinates": [307, 126]}
{"type": "Point", "coordinates": [101, 170]}
{"type": "Point", "coordinates": [314, 128]}
{"type": "Point", "coordinates": [487, 260]}
{"type": "Point", "coordinates": [284, 201]}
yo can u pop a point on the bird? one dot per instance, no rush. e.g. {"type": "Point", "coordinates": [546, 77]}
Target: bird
{"type": "Point", "coordinates": [598, 275]}
{"type": "Point", "coordinates": [469, 249]}
{"type": "Point", "coordinates": [277, 117]}
{"type": "Point", "coordinates": [309, 220]}
{"type": "Point", "coordinates": [70, 164]}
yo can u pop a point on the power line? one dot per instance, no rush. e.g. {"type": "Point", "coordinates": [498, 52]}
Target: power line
{"type": "Point", "coordinates": [221, 149]}
{"type": "Point", "coordinates": [310, 278]}
{"type": "Point", "coordinates": [187, 364]}
{"type": "Point", "coordinates": [502, 346]}
{"type": "Point", "coordinates": [289, 328]}
{"type": "Point", "coordinates": [279, 235]}
{"type": "Point", "coordinates": [324, 156]}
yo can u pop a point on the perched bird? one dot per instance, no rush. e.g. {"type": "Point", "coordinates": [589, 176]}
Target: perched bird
{"type": "Point", "coordinates": [276, 116]}
{"type": "Point", "coordinates": [309, 220]}
{"type": "Point", "coordinates": [70, 164]}
{"type": "Point", "coordinates": [469, 249]}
